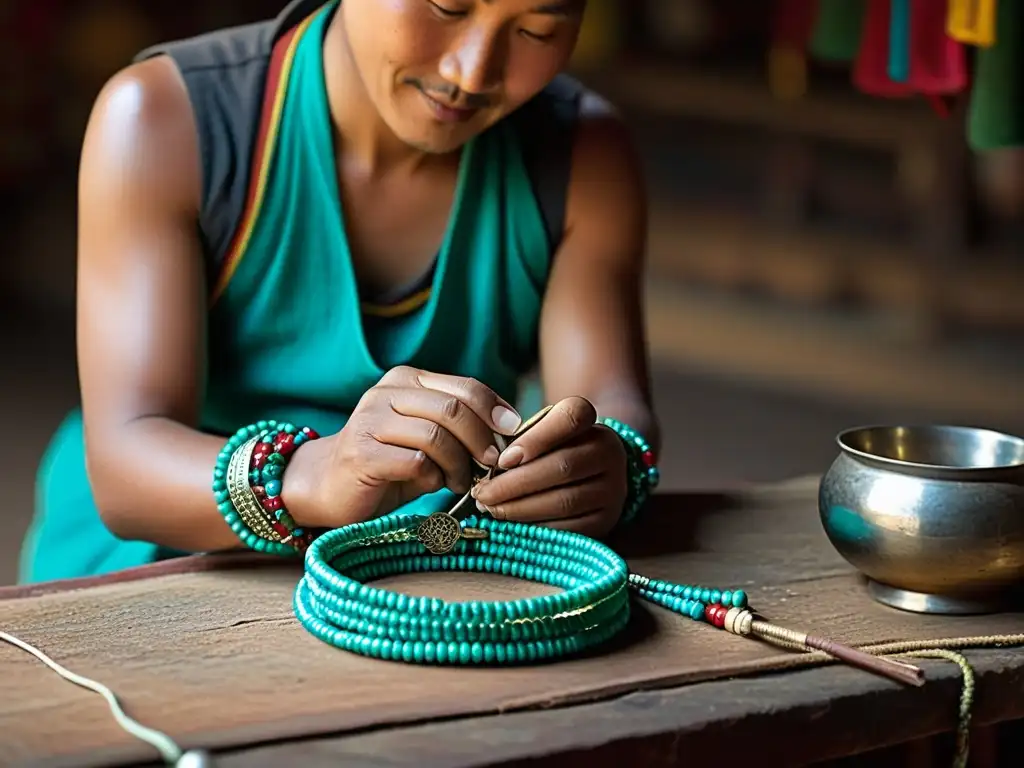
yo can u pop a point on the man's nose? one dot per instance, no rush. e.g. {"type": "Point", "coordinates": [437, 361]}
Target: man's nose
{"type": "Point", "coordinates": [476, 63]}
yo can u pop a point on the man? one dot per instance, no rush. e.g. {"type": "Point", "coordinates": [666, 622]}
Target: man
{"type": "Point", "coordinates": [344, 218]}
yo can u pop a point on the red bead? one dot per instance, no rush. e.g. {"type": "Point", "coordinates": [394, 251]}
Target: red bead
{"type": "Point", "coordinates": [284, 444]}
{"type": "Point", "coordinates": [279, 529]}
{"type": "Point", "coordinates": [648, 457]}
{"type": "Point", "coordinates": [310, 433]}
{"type": "Point", "coordinates": [260, 453]}
{"type": "Point", "coordinates": [719, 617]}
{"type": "Point", "coordinates": [272, 503]}
{"type": "Point", "coordinates": [260, 492]}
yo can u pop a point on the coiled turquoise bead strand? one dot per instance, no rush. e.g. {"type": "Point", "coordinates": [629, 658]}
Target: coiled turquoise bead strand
{"type": "Point", "coordinates": [334, 603]}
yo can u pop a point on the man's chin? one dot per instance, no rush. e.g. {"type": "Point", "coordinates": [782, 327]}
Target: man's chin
{"type": "Point", "coordinates": [436, 141]}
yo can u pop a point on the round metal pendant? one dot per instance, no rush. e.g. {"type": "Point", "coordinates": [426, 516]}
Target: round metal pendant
{"type": "Point", "coordinates": [439, 533]}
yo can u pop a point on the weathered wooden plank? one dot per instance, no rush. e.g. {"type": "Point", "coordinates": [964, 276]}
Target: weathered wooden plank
{"type": "Point", "coordinates": [791, 719]}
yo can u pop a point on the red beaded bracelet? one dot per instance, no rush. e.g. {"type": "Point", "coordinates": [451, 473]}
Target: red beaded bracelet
{"type": "Point", "coordinates": [266, 468]}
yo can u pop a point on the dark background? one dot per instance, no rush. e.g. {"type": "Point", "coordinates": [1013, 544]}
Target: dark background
{"type": "Point", "coordinates": [819, 258]}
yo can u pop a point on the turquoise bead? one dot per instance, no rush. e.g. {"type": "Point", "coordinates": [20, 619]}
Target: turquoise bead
{"type": "Point", "coordinates": [272, 487]}
{"type": "Point", "coordinates": [270, 472]}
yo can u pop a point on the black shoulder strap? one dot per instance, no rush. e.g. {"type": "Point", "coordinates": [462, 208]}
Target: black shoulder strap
{"type": "Point", "coordinates": [547, 127]}
{"type": "Point", "coordinates": [225, 74]}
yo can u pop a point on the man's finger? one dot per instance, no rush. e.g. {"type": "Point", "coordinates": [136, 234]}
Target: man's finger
{"type": "Point", "coordinates": [566, 419]}
{"type": "Point", "coordinates": [563, 466]}
{"type": "Point", "coordinates": [555, 504]}
{"type": "Point", "coordinates": [483, 400]}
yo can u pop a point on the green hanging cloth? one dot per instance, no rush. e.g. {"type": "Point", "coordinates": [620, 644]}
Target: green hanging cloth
{"type": "Point", "coordinates": [837, 28]}
{"type": "Point", "coordinates": [995, 118]}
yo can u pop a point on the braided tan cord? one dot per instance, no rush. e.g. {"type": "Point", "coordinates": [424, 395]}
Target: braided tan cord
{"type": "Point", "coordinates": [963, 726]}
{"type": "Point", "coordinates": [779, 635]}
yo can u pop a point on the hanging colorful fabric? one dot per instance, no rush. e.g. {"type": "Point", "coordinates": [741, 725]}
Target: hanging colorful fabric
{"type": "Point", "coordinates": [974, 21]}
{"type": "Point", "coordinates": [871, 67]}
{"type": "Point", "coordinates": [787, 57]}
{"type": "Point", "coordinates": [938, 63]}
{"type": "Point", "coordinates": [996, 113]}
{"type": "Point", "coordinates": [837, 30]}
{"type": "Point", "coordinates": [899, 40]}
{"type": "Point", "coordinates": [793, 22]}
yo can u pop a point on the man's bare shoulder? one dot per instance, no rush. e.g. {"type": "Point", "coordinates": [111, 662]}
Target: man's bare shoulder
{"type": "Point", "coordinates": [607, 189]}
{"type": "Point", "coordinates": [142, 130]}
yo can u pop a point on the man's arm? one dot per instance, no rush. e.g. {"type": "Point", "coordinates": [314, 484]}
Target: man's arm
{"type": "Point", "coordinates": [563, 472]}
{"type": "Point", "coordinates": [141, 315]}
{"type": "Point", "coordinates": [592, 338]}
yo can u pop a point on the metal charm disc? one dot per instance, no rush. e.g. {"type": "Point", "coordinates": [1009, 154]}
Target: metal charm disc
{"type": "Point", "coordinates": [440, 532]}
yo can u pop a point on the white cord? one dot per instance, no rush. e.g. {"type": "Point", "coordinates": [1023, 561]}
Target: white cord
{"type": "Point", "coordinates": [170, 751]}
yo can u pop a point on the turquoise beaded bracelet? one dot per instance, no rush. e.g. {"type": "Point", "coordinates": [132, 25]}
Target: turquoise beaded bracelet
{"type": "Point", "coordinates": [333, 603]}
{"type": "Point", "coordinates": [643, 470]}
{"type": "Point", "coordinates": [247, 486]}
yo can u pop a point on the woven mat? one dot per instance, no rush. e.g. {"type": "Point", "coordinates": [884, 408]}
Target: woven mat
{"type": "Point", "coordinates": [215, 658]}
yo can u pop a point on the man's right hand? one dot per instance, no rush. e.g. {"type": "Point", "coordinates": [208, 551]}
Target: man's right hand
{"type": "Point", "coordinates": [413, 433]}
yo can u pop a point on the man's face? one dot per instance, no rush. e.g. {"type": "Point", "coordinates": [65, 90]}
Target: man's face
{"type": "Point", "coordinates": [441, 71]}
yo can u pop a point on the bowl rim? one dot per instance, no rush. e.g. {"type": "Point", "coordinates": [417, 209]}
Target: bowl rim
{"type": "Point", "coordinates": [846, 448]}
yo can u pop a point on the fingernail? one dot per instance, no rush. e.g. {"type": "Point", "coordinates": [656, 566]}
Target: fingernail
{"type": "Point", "coordinates": [491, 456]}
{"type": "Point", "coordinates": [483, 507]}
{"type": "Point", "coordinates": [505, 419]}
{"type": "Point", "coordinates": [512, 457]}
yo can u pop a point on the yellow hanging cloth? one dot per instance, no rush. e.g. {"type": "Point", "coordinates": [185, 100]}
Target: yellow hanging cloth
{"type": "Point", "coordinates": [973, 22]}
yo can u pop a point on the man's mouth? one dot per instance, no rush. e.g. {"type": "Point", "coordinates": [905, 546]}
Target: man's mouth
{"type": "Point", "coordinates": [447, 113]}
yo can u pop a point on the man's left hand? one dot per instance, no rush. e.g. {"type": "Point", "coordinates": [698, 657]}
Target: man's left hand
{"type": "Point", "coordinates": [566, 471]}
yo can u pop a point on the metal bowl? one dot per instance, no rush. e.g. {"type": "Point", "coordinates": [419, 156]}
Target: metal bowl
{"type": "Point", "coordinates": [933, 516]}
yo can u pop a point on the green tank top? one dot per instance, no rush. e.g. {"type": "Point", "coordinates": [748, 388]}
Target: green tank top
{"type": "Point", "coordinates": [287, 336]}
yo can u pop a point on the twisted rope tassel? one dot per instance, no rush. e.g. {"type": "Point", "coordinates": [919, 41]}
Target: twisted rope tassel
{"type": "Point", "coordinates": [741, 621]}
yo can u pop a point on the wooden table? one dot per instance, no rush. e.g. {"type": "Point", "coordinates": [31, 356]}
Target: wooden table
{"type": "Point", "coordinates": [747, 703]}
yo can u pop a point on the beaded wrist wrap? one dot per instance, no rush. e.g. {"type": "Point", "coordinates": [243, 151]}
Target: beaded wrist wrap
{"type": "Point", "coordinates": [247, 486]}
{"type": "Point", "coordinates": [334, 604]}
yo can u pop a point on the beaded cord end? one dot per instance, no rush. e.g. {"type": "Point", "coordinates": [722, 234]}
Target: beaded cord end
{"type": "Point", "coordinates": [728, 610]}
{"type": "Point", "coordinates": [742, 621]}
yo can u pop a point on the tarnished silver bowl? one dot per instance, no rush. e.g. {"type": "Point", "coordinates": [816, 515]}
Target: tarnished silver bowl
{"type": "Point", "coordinates": [933, 516]}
